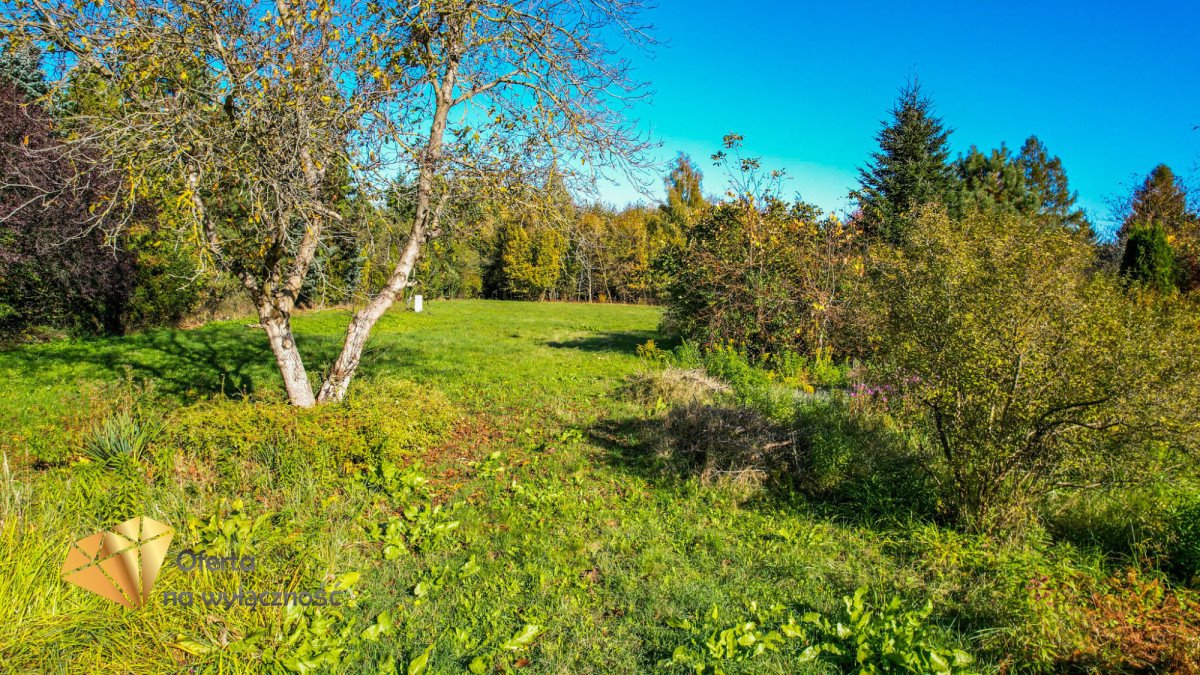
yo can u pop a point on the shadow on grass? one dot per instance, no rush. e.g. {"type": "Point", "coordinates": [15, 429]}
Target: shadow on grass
{"type": "Point", "coordinates": [230, 358]}
{"type": "Point", "coordinates": [630, 444]}
{"type": "Point", "coordinates": [624, 342]}
{"type": "Point", "coordinates": [878, 481]}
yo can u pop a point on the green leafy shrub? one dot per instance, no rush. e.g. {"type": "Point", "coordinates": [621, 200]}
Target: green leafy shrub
{"type": "Point", "coordinates": [653, 353]}
{"type": "Point", "coordinates": [379, 421]}
{"type": "Point", "coordinates": [761, 272]}
{"type": "Point", "coordinates": [887, 639]}
{"type": "Point", "coordinates": [752, 386]}
{"type": "Point", "coordinates": [805, 373]}
{"type": "Point", "coordinates": [1185, 540]}
{"type": "Point", "coordinates": [688, 355]}
{"type": "Point", "coordinates": [1025, 367]}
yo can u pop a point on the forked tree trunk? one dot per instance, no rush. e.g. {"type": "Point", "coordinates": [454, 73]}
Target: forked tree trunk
{"type": "Point", "coordinates": [424, 221]}
{"type": "Point", "coordinates": [338, 380]}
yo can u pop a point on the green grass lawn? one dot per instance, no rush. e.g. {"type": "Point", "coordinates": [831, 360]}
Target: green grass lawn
{"type": "Point", "coordinates": [574, 551]}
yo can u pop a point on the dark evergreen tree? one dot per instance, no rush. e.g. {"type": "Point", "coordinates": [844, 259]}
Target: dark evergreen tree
{"type": "Point", "coordinates": [1148, 258]}
{"type": "Point", "coordinates": [911, 167]}
{"type": "Point", "coordinates": [1032, 183]}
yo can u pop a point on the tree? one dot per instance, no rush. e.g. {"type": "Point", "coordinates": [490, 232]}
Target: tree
{"type": "Point", "coordinates": [1148, 258]}
{"type": "Point", "coordinates": [685, 198]}
{"type": "Point", "coordinates": [910, 169]}
{"type": "Point", "coordinates": [1159, 199]}
{"type": "Point", "coordinates": [763, 273]}
{"type": "Point", "coordinates": [54, 270]}
{"type": "Point", "coordinates": [1022, 368]}
{"type": "Point", "coordinates": [22, 66]}
{"type": "Point", "coordinates": [1031, 183]}
{"type": "Point", "coordinates": [1046, 180]}
{"type": "Point", "coordinates": [995, 180]}
{"type": "Point", "coordinates": [253, 107]}
{"type": "Point", "coordinates": [530, 261]}
{"type": "Point", "coordinates": [1162, 202]}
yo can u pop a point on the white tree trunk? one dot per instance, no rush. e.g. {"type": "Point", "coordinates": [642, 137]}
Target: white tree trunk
{"type": "Point", "coordinates": [337, 382]}
{"type": "Point", "coordinates": [291, 366]}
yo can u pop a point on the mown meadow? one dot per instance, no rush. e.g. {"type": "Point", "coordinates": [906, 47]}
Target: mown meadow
{"type": "Point", "coordinates": [513, 487]}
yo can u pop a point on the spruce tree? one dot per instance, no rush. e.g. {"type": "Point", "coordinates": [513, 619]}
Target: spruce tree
{"type": "Point", "coordinates": [23, 67]}
{"type": "Point", "coordinates": [911, 167]}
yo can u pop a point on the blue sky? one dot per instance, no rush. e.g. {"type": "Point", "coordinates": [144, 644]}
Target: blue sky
{"type": "Point", "coordinates": [1113, 88]}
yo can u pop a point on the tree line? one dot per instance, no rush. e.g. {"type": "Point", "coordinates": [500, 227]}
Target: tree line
{"type": "Point", "coordinates": [307, 155]}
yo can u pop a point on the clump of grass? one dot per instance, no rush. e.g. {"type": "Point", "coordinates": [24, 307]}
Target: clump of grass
{"type": "Point", "coordinates": [724, 444]}
{"type": "Point", "coordinates": [120, 439]}
{"type": "Point", "coordinates": [671, 386]}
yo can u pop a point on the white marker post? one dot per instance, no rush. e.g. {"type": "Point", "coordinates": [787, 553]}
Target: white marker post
{"type": "Point", "coordinates": [418, 303]}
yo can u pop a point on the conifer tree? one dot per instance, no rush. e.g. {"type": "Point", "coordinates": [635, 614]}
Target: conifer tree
{"type": "Point", "coordinates": [911, 167]}
{"type": "Point", "coordinates": [1046, 181]}
{"type": "Point", "coordinates": [1149, 259]}
{"type": "Point", "coordinates": [994, 180]}
{"type": "Point", "coordinates": [22, 66]}
{"type": "Point", "coordinates": [1032, 183]}
{"type": "Point", "coordinates": [1162, 201]}
{"type": "Point", "coordinates": [1159, 199]}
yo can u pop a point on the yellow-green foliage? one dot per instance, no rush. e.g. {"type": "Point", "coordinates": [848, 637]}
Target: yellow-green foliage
{"type": "Point", "coordinates": [531, 260]}
{"type": "Point", "coordinates": [1022, 365]}
{"type": "Point", "coordinates": [380, 420]}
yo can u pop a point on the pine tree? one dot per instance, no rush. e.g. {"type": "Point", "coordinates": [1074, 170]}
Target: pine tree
{"type": "Point", "coordinates": [1031, 183]}
{"type": "Point", "coordinates": [1046, 181]}
{"type": "Point", "coordinates": [910, 169]}
{"type": "Point", "coordinates": [993, 180]}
